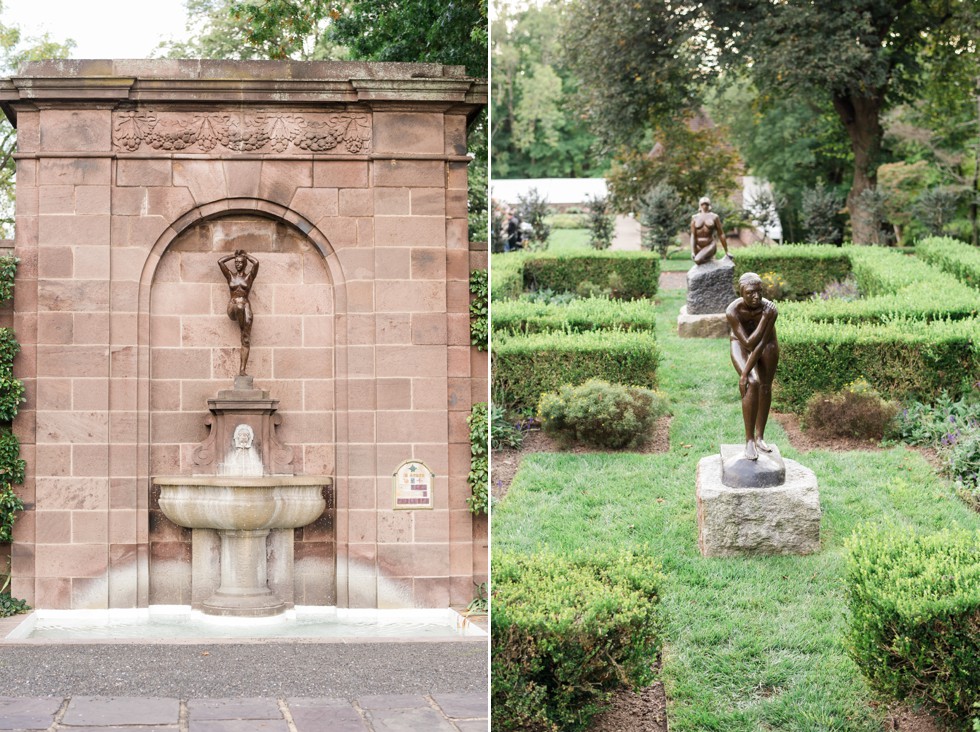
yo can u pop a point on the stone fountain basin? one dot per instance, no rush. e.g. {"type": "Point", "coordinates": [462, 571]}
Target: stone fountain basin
{"type": "Point", "coordinates": [237, 503]}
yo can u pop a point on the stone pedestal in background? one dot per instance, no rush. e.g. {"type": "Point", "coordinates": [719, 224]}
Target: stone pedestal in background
{"type": "Point", "coordinates": [710, 290]}
{"type": "Point", "coordinates": [748, 521]}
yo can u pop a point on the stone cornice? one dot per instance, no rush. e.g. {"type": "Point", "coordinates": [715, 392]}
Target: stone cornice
{"type": "Point", "coordinates": [157, 82]}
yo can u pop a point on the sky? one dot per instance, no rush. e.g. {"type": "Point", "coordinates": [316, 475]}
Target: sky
{"type": "Point", "coordinates": [100, 28]}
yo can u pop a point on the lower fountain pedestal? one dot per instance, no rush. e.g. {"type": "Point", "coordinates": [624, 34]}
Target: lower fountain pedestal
{"type": "Point", "coordinates": [244, 588]}
{"type": "Point", "coordinates": [240, 513]}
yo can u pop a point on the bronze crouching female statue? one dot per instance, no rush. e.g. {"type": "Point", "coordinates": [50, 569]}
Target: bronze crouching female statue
{"type": "Point", "coordinates": [755, 354]}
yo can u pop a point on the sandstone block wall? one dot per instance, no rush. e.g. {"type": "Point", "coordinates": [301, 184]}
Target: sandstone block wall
{"type": "Point", "coordinates": [348, 183]}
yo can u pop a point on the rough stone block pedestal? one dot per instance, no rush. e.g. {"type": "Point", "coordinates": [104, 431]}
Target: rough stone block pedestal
{"type": "Point", "coordinates": [710, 286]}
{"type": "Point", "coordinates": [709, 292]}
{"type": "Point", "coordinates": [783, 519]}
{"type": "Point", "coordinates": [709, 325]}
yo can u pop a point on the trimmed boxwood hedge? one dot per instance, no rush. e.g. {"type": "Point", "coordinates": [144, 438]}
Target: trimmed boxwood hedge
{"type": "Point", "coordinates": [585, 314]}
{"type": "Point", "coordinates": [565, 631]}
{"type": "Point", "coordinates": [902, 359]}
{"type": "Point", "coordinates": [637, 274]}
{"type": "Point", "coordinates": [915, 617]}
{"type": "Point", "coordinates": [634, 274]}
{"type": "Point", "coordinates": [952, 255]}
{"type": "Point", "coordinates": [525, 367]}
{"type": "Point", "coordinates": [507, 275]}
{"type": "Point", "coordinates": [805, 268]}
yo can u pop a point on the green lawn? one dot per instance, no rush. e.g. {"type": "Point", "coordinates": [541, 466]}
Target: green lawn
{"type": "Point", "coordinates": [753, 644]}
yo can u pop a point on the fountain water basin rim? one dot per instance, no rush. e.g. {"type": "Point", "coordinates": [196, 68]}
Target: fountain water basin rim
{"type": "Point", "coordinates": [181, 624]}
{"type": "Point", "coordinates": [242, 503]}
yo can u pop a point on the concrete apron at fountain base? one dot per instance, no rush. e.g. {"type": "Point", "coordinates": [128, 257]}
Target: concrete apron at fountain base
{"type": "Point", "coordinates": [243, 504]}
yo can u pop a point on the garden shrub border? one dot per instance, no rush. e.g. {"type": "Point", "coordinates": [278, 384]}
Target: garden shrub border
{"type": "Point", "coordinates": [953, 256]}
{"type": "Point", "coordinates": [902, 359]}
{"type": "Point", "coordinates": [578, 316]}
{"type": "Point", "coordinates": [914, 605]}
{"type": "Point", "coordinates": [525, 367]}
{"type": "Point", "coordinates": [566, 630]}
{"type": "Point", "coordinates": [635, 274]}
{"type": "Point", "coordinates": [805, 268]}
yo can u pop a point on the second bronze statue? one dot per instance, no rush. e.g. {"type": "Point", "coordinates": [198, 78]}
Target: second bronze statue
{"type": "Point", "coordinates": [240, 281]}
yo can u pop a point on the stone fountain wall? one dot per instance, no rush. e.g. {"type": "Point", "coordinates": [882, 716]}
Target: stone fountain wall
{"type": "Point", "coordinates": [348, 183]}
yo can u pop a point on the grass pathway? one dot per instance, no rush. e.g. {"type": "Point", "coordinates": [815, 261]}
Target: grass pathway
{"type": "Point", "coordinates": [753, 644]}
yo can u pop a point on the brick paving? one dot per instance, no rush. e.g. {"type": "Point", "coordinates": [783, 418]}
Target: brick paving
{"type": "Point", "coordinates": [451, 712]}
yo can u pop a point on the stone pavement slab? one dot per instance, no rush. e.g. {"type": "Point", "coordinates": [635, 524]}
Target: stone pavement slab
{"type": "Point", "coordinates": [258, 708]}
{"type": "Point", "coordinates": [94, 711]}
{"type": "Point", "coordinates": [337, 715]}
{"type": "Point", "coordinates": [445, 712]}
{"type": "Point", "coordinates": [238, 725]}
{"type": "Point", "coordinates": [18, 713]}
{"type": "Point", "coordinates": [463, 706]}
{"type": "Point", "coordinates": [403, 713]}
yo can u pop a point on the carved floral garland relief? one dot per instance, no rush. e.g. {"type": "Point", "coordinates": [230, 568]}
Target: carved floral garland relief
{"type": "Point", "coordinates": [172, 131]}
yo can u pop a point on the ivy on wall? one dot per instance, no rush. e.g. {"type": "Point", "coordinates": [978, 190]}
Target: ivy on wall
{"type": "Point", "coordinates": [479, 459]}
{"type": "Point", "coordinates": [11, 397]}
{"type": "Point", "coordinates": [479, 324]}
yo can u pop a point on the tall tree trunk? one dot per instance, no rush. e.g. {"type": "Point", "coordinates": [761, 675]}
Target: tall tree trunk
{"type": "Point", "coordinates": [861, 116]}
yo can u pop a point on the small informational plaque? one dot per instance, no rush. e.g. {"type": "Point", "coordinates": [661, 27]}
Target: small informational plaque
{"type": "Point", "coordinates": [413, 485]}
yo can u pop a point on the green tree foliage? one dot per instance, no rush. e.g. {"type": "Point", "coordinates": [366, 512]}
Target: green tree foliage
{"type": "Point", "coordinates": [787, 140]}
{"type": "Point", "coordinates": [690, 155]}
{"type": "Point", "coordinates": [16, 49]}
{"type": "Point", "coordinates": [270, 29]}
{"type": "Point", "coordinates": [442, 31]}
{"type": "Point", "coordinates": [538, 130]}
{"type": "Point", "coordinates": [859, 57]}
{"type": "Point", "coordinates": [645, 61]}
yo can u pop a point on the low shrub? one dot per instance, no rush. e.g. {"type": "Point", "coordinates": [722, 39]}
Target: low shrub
{"type": "Point", "coordinates": [576, 316]}
{"type": "Point", "coordinates": [565, 631]}
{"type": "Point", "coordinates": [600, 414]}
{"type": "Point", "coordinates": [953, 256]}
{"type": "Point", "coordinates": [855, 411]}
{"type": "Point", "coordinates": [479, 476]}
{"type": "Point", "coordinates": [525, 367]}
{"type": "Point", "coordinates": [914, 627]}
{"type": "Point", "coordinates": [804, 268]}
{"type": "Point", "coordinates": [901, 359]}
{"type": "Point", "coordinates": [638, 273]}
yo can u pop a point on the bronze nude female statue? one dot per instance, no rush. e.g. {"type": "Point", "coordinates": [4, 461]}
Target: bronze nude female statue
{"type": "Point", "coordinates": [705, 225]}
{"type": "Point", "coordinates": [755, 354]}
{"type": "Point", "coordinates": [240, 281]}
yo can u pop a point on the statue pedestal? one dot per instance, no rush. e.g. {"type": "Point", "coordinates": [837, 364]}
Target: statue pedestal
{"type": "Point", "coordinates": [710, 290]}
{"type": "Point", "coordinates": [709, 325]}
{"type": "Point", "coordinates": [780, 519]}
{"type": "Point", "coordinates": [710, 286]}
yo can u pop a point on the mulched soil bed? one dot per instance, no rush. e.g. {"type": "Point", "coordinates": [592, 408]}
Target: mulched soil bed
{"type": "Point", "coordinates": [645, 711]}
{"type": "Point", "coordinates": [806, 441]}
